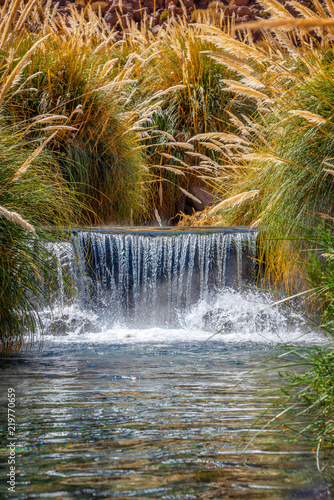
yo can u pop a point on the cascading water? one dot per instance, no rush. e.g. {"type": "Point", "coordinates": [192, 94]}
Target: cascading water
{"type": "Point", "coordinates": [148, 285]}
{"type": "Point", "coordinates": [132, 275]}
{"type": "Point", "coordinates": [141, 280]}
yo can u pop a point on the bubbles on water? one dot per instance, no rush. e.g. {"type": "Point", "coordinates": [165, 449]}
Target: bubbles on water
{"type": "Point", "coordinates": [243, 317]}
{"type": "Point", "coordinates": [247, 316]}
{"type": "Point", "coordinates": [134, 288]}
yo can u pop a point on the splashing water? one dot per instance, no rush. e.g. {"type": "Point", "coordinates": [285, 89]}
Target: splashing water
{"type": "Point", "coordinates": [137, 288]}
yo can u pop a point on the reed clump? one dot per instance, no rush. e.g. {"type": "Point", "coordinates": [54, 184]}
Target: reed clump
{"type": "Point", "coordinates": [174, 66]}
{"type": "Point", "coordinates": [306, 397]}
{"type": "Point", "coordinates": [33, 193]}
{"type": "Point", "coordinates": [29, 197]}
{"type": "Point", "coordinates": [97, 150]}
{"type": "Point", "coordinates": [277, 174]}
{"type": "Point", "coordinates": [274, 167]}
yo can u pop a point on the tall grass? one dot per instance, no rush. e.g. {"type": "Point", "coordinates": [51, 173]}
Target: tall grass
{"type": "Point", "coordinates": [305, 400]}
{"type": "Point", "coordinates": [72, 74]}
{"type": "Point", "coordinates": [175, 67]}
{"type": "Point", "coordinates": [278, 172]}
{"type": "Point", "coordinates": [28, 199]}
{"type": "Point", "coordinates": [135, 104]}
{"type": "Point", "coordinates": [32, 193]}
{"type": "Point", "coordinates": [274, 167]}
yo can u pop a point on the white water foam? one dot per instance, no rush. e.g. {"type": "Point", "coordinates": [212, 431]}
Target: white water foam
{"type": "Point", "coordinates": [134, 289]}
{"type": "Point", "coordinates": [246, 314]}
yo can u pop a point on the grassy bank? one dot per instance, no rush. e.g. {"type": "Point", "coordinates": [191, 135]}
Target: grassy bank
{"type": "Point", "coordinates": [305, 402]}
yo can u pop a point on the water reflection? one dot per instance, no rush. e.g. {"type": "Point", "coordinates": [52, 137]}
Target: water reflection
{"type": "Point", "coordinates": [149, 421]}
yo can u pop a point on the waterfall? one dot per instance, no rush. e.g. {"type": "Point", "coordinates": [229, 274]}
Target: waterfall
{"type": "Point", "coordinates": [140, 278]}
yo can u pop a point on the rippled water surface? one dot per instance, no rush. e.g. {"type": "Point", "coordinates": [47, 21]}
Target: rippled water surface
{"type": "Point", "coordinates": [127, 397]}
{"type": "Point", "coordinates": [154, 419]}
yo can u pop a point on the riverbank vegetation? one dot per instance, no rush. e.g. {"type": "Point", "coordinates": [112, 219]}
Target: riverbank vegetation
{"type": "Point", "coordinates": [98, 127]}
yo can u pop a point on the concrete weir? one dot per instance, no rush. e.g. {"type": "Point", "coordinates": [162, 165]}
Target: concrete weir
{"type": "Point", "coordinates": [134, 274]}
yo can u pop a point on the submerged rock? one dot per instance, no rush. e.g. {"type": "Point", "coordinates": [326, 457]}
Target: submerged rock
{"type": "Point", "coordinates": [316, 491]}
{"type": "Point", "coordinates": [67, 324]}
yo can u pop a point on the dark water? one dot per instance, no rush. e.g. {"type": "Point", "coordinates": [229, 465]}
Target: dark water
{"type": "Point", "coordinates": [150, 420]}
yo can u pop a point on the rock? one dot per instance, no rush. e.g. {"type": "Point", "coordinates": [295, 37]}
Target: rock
{"type": "Point", "coordinates": [243, 19]}
{"type": "Point", "coordinates": [320, 490]}
{"type": "Point", "coordinates": [292, 10]}
{"type": "Point", "coordinates": [171, 8]}
{"type": "Point", "coordinates": [127, 7]}
{"type": "Point", "coordinates": [155, 30]}
{"type": "Point", "coordinates": [65, 325]}
{"type": "Point", "coordinates": [126, 19]}
{"type": "Point", "coordinates": [105, 9]}
{"type": "Point", "coordinates": [330, 38]}
{"type": "Point", "coordinates": [230, 9]}
{"type": "Point", "coordinates": [112, 19]}
{"type": "Point", "coordinates": [216, 4]}
{"type": "Point", "coordinates": [255, 12]}
{"type": "Point", "coordinates": [119, 5]}
{"type": "Point", "coordinates": [244, 11]}
{"type": "Point", "coordinates": [58, 327]}
{"type": "Point", "coordinates": [215, 318]}
{"type": "Point", "coordinates": [203, 194]}
{"type": "Point", "coordinates": [110, 16]}
{"type": "Point", "coordinates": [139, 14]}
{"type": "Point", "coordinates": [112, 6]}
{"type": "Point", "coordinates": [151, 21]}
{"type": "Point", "coordinates": [96, 6]}
{"type": "Point", "coordinates": [192, 10]}
{"type": "Point", "coordinates": [149, 4]}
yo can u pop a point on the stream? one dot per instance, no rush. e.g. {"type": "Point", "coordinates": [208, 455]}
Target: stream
{"type": "Point", "coordinates": [129, 396]}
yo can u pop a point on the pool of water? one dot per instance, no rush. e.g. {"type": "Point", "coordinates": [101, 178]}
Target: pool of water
{"type": "Point", "coordinates": [155, 413]}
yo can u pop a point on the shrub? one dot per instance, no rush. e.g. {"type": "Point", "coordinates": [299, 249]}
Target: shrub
{"type": "Point", "coordinates": [274, 168]}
